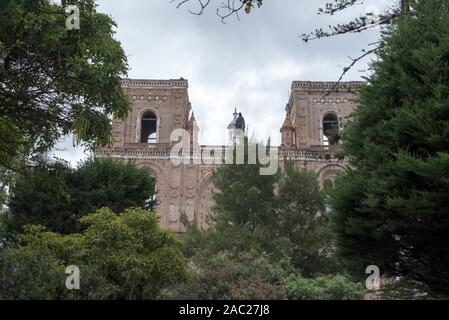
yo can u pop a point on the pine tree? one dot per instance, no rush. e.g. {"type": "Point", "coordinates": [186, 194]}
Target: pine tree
{"type": "Point", "coordinates": [244, 215]}
{"type": "Point", "coordinates": [302, 219]}
{"type": "Point", "coordinates": [392, 208]}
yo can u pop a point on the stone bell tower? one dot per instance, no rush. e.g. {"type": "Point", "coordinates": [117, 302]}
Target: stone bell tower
{"type": "Point", "coordinates": [158, 108]}
{"type": "Point", "coordinates": [315, 107]}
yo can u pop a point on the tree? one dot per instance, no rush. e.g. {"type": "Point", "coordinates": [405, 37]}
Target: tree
{"type": "Point", "coordinates": [55, 81]}
{"type": "Point", "coordinates": [303, 221]}
{"type": "Point", "coordinates": [244, 205]}
{"type": "Point", "coordinates": [245, 196]}
{"type": "Point", "coordinates": [274, 215]}
{"type": "Point", "coordinates": [124, 256]}
{"type": "Point", "coordinates": [234, 256]}
{"type": "Point", "coordinates": [391, 208]}
{"type": "Point", "coordinates": [56, 196]}
{"type": "Point", "coordinates": [267, 236]}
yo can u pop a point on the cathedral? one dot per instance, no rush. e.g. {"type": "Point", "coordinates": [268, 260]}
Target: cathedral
{"type": "Point", "coordinates": [315, 114]}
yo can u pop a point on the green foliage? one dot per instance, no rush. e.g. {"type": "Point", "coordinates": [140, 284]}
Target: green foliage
{"type": "Point", "coordinates": [57, 196]}
{"type": "Point", "coordinates": [245, 196]}
{"type": "Point", "coordinates": [11, 155]}
{"type": "Point", "coordinates": [31, 275]}
{"type": "Point", "coordinates": [9, 142]}
{"type": "Point", "coordinates": [291, 222]}
{"type": "Point", "coordinates": [266, 246]}
{"type": "Point", "coordinates": [113, 184]}
{"type": "Point", "coordinates": [391, 210]}
{"type": "Point", "coordinates": [303, 221]}
{"type": "Point", "coordinates": [225, 276]}
{"type": "Point", "coordinates": [55, 81]}
{"type": "Point", "coordinates": [124, 256]}
{"type": "Point", "coordinates": [5, 236]}
{"type": "Point", "coordinates": [250, 4]}
{"type": "Point", "coordinates": [244, 206]}
{"type": "Point", "coordinates": [328, 287]}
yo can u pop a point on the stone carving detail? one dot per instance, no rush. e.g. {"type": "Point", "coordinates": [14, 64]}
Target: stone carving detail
{"type": "Point", "coordinates": [190, 213]}
{"type": "Point", "coordinates": [190, 181]}
{"type": "Point", "coordinates": [177, 120]}
{"type": "Point", "coordinates": [174, 183]}
{"type": "Point", "coordinates": [302, 121]}
{"type": "Point", "coordinates": [174, 193]}
{"type": "Point", "coordinates": [174, 213]}
{"type": "Point", "coordinates": [206, 171]}
{"type": "Point", "coordinates": [190, 194]}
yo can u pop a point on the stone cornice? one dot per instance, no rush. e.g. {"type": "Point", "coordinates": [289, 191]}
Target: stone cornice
{"type": "Point", "coordinates": [316, 153]}
{"type": "Point", "coordinates": [327, 86]}
{"type": "Point", "coordinates": [143, 83]}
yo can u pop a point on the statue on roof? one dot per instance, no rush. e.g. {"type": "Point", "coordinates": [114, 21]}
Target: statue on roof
{"type": "Point", "coordinates": [238, 122]}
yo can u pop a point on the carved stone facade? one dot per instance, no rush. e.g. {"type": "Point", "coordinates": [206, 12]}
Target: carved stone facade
{"type": "Point", "coordinates": [309, 104]}
{"type": "Point", "coordinates": [188, 188]}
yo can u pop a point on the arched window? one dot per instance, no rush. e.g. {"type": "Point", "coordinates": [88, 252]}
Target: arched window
{"type": "Point", "coordinates": [331, 129]}
{"type": "Point", "coordinates": [148, 128]}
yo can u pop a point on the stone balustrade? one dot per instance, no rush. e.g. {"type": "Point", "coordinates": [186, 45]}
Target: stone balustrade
{"type": "Point", "coordinates": [162, 151]}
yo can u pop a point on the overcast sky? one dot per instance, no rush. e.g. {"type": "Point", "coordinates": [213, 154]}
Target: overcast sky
{"type": "Point", "coordinates": [248, 64]}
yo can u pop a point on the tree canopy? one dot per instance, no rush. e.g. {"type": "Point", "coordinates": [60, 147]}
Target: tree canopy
{"type": "Point", "coordinates": [55, 81]}
{"type": "Point", "coordinates": [268, 238]}
{"type": "Point", "coordinates": [56, 196]}
{"type": "Point", "coordinates": [391, 209]}
{"type": "Point", "coordinates": [120, 256]}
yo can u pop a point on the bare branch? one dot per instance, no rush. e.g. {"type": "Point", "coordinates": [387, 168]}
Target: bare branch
{"type": "Point", "coordinates": [225, 9]}
{"type": "Point", "coordinates": [338, 5]}
{"type": "Point", "coordinates": [231, 10]}
{"type": "Point", "coordinates": [356, 26]}
{"type": "Point", "coordinates": [354, 61]}
{"type": "Point", "coordinates": [203, 7]}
